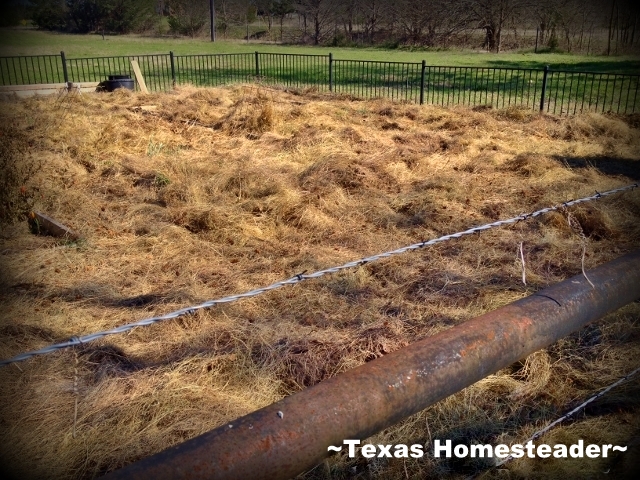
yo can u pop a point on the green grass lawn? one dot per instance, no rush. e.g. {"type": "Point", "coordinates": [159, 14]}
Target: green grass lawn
{"type": "Point", "coordinates": [33, 42]}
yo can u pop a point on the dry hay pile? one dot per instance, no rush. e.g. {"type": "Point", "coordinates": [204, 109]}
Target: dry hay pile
{"type": "Point", "coordinates": [197, 194]}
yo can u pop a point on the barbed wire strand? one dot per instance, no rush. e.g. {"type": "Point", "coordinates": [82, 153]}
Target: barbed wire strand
{"type": "Point", "coordinates": [524, 268]}
{"type": "Point", "coordinates": [78, 340]}
{"type": "Point", "coordinates": [544, 430]}
{"type": "Point", "coordinates": [577, 229]}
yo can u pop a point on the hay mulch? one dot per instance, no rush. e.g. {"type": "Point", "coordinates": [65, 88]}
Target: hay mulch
{"type": "Point", "coordinates": [200, 193]}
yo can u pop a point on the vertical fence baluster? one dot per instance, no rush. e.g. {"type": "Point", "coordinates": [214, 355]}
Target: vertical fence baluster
{"type": "Point", "coordinates": [65, 74]}
{"type": "Point", "coordinates": [477, 89]}
{"type": "Point", "coordinates": [564, 86]}
{"type": "Point", "coordinates": [584, 93]}
{"type": "Point", "coordinates": [598, 94]}
{"type": "Point", "coordinates": [619, 95]}
{"type": "Point", "coordinates": [330, 72]}
{"type": "Point", "coordinates": [500, 95]}
{"type": "Point", "coordinates": [544, 87]}
{"type": "Point", "coordinates": [367, 80]}
{"type": "Point", "coordinates": [172, 60]}
{"type": "Point", "coordinates": [30, 71]}
{"type": "Point", "coordinates": [15, 73]}
{"type": "Point", "coordinates": [626, 102]}
{"type": "Point", "coordinates": [422, 72]}
{"type": "Point", "coordinates": [553, 83]}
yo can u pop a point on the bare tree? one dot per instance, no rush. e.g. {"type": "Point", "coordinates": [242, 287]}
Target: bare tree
{"type": "Point", "coordinates": [321, 13]}
{"type": "Point", "coordinates": [372, 11]}
{"type": "Point", "coordinates": [492, 15]}
{"type": "Point", "coordinates": [282, 8]}
{"type": "Point", "coordinates": [188, 17]}
{"type": "Point", "coordinates": [572, 16]}
{"type": "Point", "coordinates": [543, 13]}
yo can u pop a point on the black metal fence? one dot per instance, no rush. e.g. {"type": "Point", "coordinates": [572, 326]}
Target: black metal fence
{"type": "Point", "coordinates": [31, 69]}
{"type": "Point", "coordinates": [555, 91]}
{"type": "Point", "coordinates": [156, 69]}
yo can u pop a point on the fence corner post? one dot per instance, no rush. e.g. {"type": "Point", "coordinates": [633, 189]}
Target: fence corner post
{"type": "Point", "coordinates": [330, 72]}
{"type": "Point", "coordinates": [424, 67]}
{"type": "Point", "coordinates": [257, 65]}
{"type": "Point", "coordinates": [544, 87]}
{"type": "Point", "coordinates": [63, 58]}
{"type": "Point", "coordinates": [173, 68]}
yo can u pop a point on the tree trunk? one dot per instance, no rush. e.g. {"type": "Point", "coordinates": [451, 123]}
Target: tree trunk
{"type": "Point", "coordinates": [613, 5]}
{"type": "Point", "coordinates": [490, 37]}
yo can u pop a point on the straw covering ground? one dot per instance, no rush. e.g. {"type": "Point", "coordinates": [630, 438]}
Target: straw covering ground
{"type": "Point", "coordinates": [202, 193]}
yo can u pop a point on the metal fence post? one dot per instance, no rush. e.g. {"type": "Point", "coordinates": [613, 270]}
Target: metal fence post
{"type": "Point", "coordinates": [173, 68]}
{"type": "Point", "coordinates": [544, 87]}
{"type": "Point", "coordinates": [330, 72]}
{"type": "Point", "coordinates": [64, 67]}
{"type": "Point", "coordinates": [257, 66]}
{"type": "Point", "coordinates": [424, 67]}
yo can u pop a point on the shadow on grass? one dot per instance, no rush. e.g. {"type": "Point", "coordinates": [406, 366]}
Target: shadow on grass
{"type": "Point", "coordinates": [614, 66]}
{"type": "Point", "coordinates": [625, 167]}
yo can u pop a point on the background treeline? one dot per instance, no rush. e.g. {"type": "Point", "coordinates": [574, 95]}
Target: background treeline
{"type": "Point", "coordinates": [496, 25]}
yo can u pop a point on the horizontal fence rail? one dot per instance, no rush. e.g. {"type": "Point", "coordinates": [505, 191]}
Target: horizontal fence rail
{"type": "Point", "coordinates": [293, 435]}
{"type": "Point", "coordinates": [560, 92]}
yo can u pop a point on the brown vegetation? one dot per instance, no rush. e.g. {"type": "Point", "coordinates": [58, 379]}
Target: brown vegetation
{"type": "Point", "coordinates": [218, 191]}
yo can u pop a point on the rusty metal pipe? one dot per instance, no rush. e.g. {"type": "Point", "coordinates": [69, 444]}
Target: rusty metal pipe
{"type": "Point", "coordinates": [292, 435]}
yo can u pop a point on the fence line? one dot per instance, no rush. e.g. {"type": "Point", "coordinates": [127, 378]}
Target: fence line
{"type": "Point", "coordinates": [78, 340]}
{"type": "Point", "coordinates": [561, 92]}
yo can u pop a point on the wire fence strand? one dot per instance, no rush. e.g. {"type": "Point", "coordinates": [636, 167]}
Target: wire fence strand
{"type": "Point", "coordinates": [544, 430]}
{"type": "Point", "coordinates": [78, 340]}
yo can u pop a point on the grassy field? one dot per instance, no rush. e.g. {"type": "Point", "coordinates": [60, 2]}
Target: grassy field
{"type": "Point", "coordinates": [32, 42]}
{"type": "Point", "coordinates": [208, 192]}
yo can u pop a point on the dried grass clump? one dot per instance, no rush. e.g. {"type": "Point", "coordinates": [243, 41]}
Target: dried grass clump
{"type": "Point", "coordinates": [593, 125]}
{"type": "Point", "coordinates": [17, 167]}
{"type": "Point", "coordinates": [300, 363]}
{"type": "Point", "coordinates": [516, 113]}
{"type": "Point", "coordinates": [250, 114]}
{"type": "Point", "coordinates": [530, 164]}
{"type": "Point", "coordinates": [536, 372]}
{"type": "Point", "coordinates": [198, 194]}
{"type": "Point", "coordinates": [594, 223]}
{"type": "Point", "coordinates": [342, 172]}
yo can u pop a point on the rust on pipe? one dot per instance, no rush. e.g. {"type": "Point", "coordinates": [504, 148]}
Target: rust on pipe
{"type": "Point", "coordinates": [292, 435]}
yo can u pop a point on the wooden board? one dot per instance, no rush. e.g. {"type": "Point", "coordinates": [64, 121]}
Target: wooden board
{"type": "Point", "coordinates": [46, 88]}
{"type": "Point", "coordinates": [44, 224]}
{"type": "Point", "coordinates": [139, 77]}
